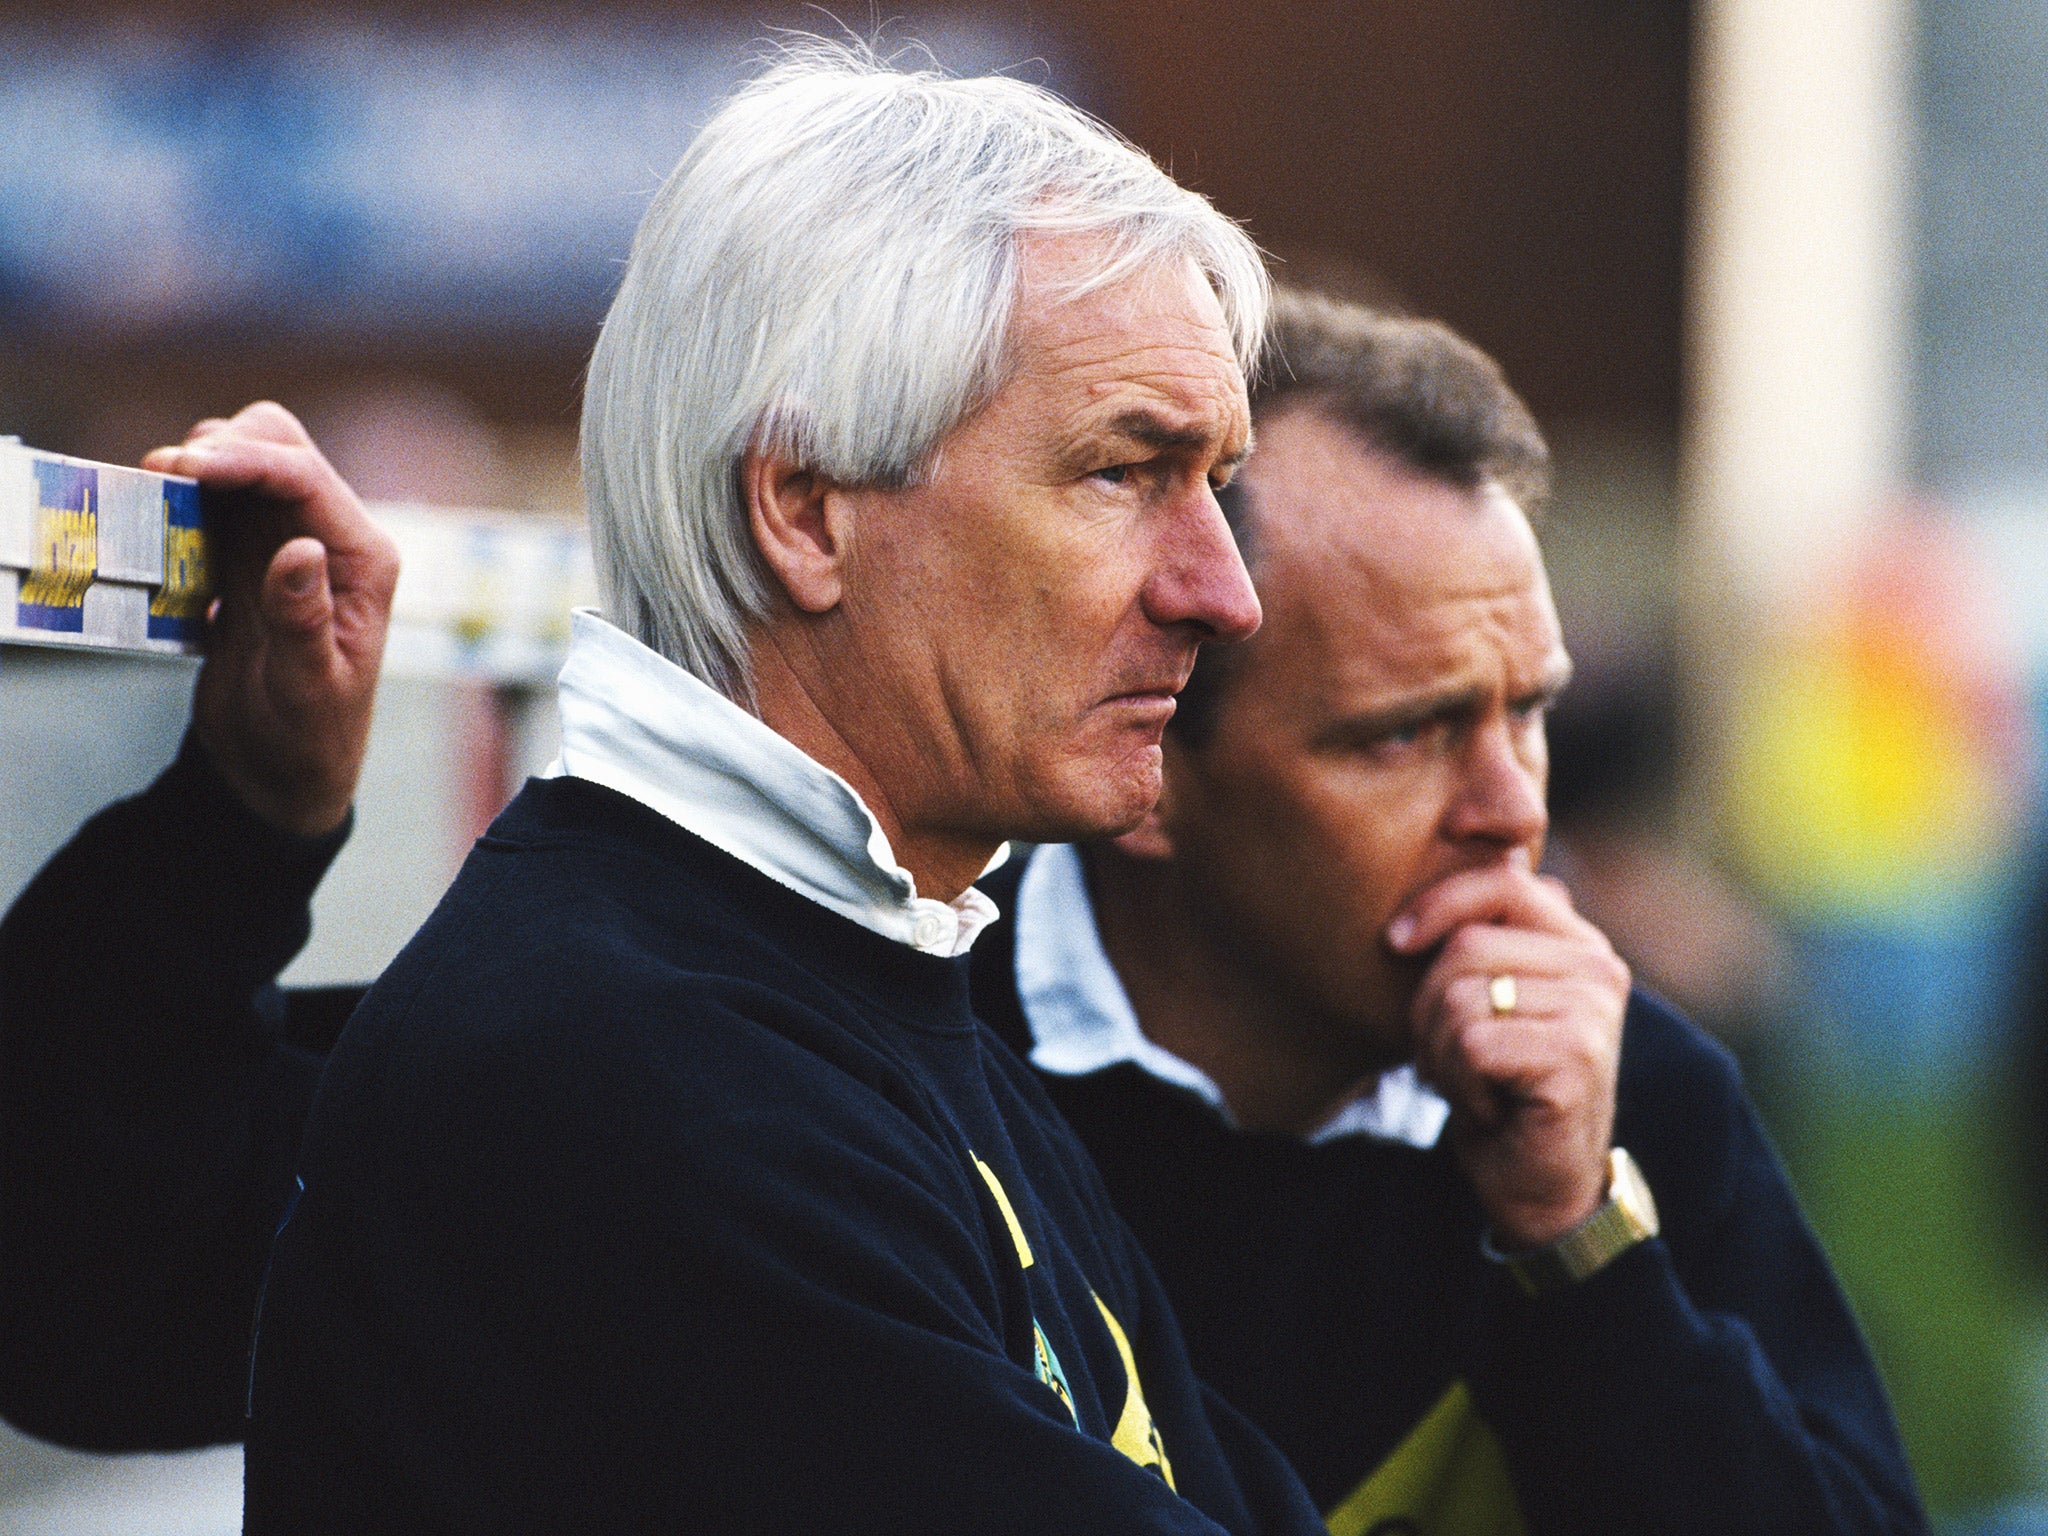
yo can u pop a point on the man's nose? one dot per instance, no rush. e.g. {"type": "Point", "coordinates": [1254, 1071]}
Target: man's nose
{"type": "Point", "coordinates": [1199, 577]}
{"type": "Point", "coordinates": [1501, 799]}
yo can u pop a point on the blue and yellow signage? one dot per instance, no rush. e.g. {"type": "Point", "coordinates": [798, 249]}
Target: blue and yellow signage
{"type": "Point", "coordinates": [66, 547]}
{"type": "Point", "coordinates": [179, 606]}
{"type": "Point", "coordinates": [99, 555]}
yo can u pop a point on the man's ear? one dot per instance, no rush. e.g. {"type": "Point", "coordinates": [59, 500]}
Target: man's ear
{"type": "Point", "coordinates": [798, 525]}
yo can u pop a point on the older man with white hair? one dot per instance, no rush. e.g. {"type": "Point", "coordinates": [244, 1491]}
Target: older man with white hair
{"type": "Point", "coordinates": [666, 1179]}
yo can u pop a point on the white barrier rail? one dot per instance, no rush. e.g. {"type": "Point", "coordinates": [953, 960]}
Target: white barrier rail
{"type": "Point", "coordinates": [113, 559]}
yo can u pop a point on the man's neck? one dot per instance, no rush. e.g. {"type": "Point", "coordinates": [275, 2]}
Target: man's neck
{"type": "Point", "coordinates": [1280, 1069]}
{"type": "Point", "coordinates": [943, 863]}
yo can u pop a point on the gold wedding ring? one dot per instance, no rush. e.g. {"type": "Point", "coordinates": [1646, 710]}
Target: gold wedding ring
{"type": "Point", "coordinates": [1501, 993]}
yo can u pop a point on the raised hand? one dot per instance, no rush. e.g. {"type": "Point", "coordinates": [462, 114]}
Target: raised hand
{"type": "Point", "coordinates": [303, 583]}
{"type": "Point", "coordinates": [1528, 1064]}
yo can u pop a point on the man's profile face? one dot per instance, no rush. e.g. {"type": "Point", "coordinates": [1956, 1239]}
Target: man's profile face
{"type": "Point", "coordinates": [1024, 616]}
{"type": "Point", "coordinates": [1384, 728]}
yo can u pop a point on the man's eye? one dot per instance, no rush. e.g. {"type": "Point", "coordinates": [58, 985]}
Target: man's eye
{"type": "Point", "coordinates": [1399, 737]}
{"type": "Point", "coordinates": [1115, 474]}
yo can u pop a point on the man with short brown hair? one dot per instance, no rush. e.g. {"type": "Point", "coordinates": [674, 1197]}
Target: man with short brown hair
{"type": "Point", "coordinates": [1483, 1238]}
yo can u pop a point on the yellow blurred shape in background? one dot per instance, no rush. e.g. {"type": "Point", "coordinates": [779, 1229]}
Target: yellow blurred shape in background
{"type": "Point", "coordinates": [1880, 752]}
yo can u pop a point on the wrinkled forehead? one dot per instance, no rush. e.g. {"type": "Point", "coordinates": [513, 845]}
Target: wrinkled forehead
{"type": "Point", "coordinates": [1157, 332]}
{"type": "Point", "coordinates": [1398, 576]}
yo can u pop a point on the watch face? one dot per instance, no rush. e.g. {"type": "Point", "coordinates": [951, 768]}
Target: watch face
{"type": "Point", "coordinates": [1630, 1191]}
{"type": "Point", "coordinates": [1628, 1217]}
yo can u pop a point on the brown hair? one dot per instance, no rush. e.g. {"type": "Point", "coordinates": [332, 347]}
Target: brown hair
{"type": "Point", "coordinates": [1414, 390]}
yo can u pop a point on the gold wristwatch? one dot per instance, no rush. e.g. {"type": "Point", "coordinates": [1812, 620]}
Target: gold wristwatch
{"type": "Point", "coordinates": [1629, 1216]}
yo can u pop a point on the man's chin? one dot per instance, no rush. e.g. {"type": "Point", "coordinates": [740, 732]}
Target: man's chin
{"type": "Point", "coordinates": [1094, 798]}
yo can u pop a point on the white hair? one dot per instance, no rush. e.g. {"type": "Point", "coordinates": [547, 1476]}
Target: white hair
{"type": "Point", "coordinates": [828, 275]}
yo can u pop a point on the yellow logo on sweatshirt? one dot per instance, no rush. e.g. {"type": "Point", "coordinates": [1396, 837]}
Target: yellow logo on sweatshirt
{"type": "Point", "coordinates": [995, 1187]}
{"type": "Point", "coordinates": [1049, 1371]}
{"type": "Point", "coordinates": [1447, 1478]}
{"type": "Point", "coordinates": [1135, 1433]}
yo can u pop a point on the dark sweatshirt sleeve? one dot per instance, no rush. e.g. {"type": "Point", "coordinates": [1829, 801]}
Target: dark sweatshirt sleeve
{"type": "Point", "coordinates": [1710, 1380]}
{"type": "Point", "coordinates": [1268, 1485]}
{"type": "Point", "coordinates": [152, 1091]}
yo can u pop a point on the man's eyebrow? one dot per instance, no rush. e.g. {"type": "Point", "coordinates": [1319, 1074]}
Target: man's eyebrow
{"type": "Point", "coordinates": [1367, 725]}
{"type": "Point", "coordinates": [1156, 432]}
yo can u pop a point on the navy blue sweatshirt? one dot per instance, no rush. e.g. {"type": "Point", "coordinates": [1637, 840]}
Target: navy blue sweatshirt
{"type": "Point", "coordinates": [1711, 1380]}
{"type": "Point", "coordinates": [154, 1084]}
{"type": "Point", "coordinates": [149, 1115]}
{"type": "Point", "coordinates": [642, 1193]}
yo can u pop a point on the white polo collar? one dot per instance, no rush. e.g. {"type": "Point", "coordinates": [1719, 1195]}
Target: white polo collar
{"type": "Point", "coordinates": [635, 722]}
{"type": "Point", "coordinates": [1081, 1019]}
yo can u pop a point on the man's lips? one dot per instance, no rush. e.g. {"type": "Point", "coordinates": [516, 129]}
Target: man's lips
{"type": "Point", "coordinates": [1145, 697]}
{"type": "Point", "coordinates": [1157, 688]}
{"type": "Point", "coordinates": [1142, 715]}
{"type": "Point", "coordinates": [1145, 701]}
